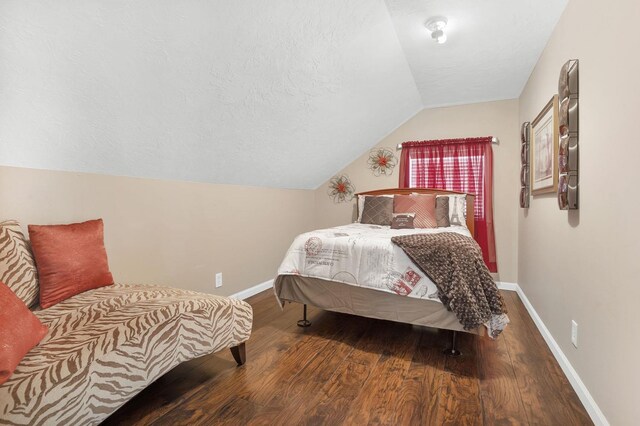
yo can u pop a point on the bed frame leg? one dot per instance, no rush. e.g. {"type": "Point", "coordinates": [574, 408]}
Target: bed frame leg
{"type": "Point", "coordinates": [452, 351]}
{"type": "Point", "coordinates": [239, 353]}
{"type": "Point", "coordinates": [304, 322]}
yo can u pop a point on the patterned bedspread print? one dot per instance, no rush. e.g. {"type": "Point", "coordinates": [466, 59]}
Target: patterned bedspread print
{"type": "Point", "coordinates": [362, 255]}
{"type": "Point", "coordinates": [106, 345]}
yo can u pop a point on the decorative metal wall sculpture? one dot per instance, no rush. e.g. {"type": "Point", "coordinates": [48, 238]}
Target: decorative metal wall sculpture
{"type": "Point", "coordinates": [525, 135]}
{"type": "Point", "coordinates": [341, 189]}
{"type": "Point", "coordinates": [381, 161]}
{"type": "Point", "coordinates": [568, 131]}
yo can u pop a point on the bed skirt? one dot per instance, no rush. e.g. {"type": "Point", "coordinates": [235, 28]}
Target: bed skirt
{"type": "Point", "coordinates": [339, 297]}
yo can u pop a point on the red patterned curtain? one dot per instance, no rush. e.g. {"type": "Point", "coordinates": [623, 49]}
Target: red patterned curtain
{"type": "Point", "coordinates": [464, 165]}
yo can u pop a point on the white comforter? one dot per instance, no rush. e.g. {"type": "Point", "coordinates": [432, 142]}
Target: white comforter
{"type": "Point", "coordinates": [361, 255]}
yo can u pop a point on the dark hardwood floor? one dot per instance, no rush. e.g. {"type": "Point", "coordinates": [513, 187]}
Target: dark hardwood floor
{"type": "Point", "coordinates": [351, 370]}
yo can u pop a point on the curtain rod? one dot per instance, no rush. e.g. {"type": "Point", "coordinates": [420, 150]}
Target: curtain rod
{"type": "Point", "coordinates": [494, 141]}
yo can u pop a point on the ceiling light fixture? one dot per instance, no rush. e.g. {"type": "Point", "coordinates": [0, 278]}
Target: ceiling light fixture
{"type": "Point", "coordinates": [436, 25]}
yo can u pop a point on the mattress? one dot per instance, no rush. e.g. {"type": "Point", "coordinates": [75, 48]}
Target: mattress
{"type": "Point", "coordinates": [362, 255]}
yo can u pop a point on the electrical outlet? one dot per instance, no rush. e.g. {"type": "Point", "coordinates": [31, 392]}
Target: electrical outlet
{"type": "Point", "coordinates": [219, 279]}
{"type": "Point", "coordinates": [574, 333]}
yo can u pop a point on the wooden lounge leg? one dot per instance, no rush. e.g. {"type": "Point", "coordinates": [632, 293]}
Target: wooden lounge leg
{"type": "Point", "coordinates": [239, 353]}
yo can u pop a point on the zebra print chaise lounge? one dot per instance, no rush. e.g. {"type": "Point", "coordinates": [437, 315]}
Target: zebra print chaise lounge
{"type": "Point", "coordinates": [105, 345]}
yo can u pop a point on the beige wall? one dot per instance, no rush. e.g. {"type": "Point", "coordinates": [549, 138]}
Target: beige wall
{"type": "Point", "coordinates": [498, 119]}
{"type": "Point", "coordinates": [583, 265]}
{"type": "Point", "coordinates": [165, 232]}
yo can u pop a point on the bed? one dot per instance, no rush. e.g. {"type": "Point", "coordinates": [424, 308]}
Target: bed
{"type": "Point", "coordinates": [355, 269]}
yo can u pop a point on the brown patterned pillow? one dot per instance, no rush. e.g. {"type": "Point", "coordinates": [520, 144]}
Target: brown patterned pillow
{"type": "Point", "coordinates": [423, 205]}
{"type": "Point", "coordinates": [442, 212]}
{"type": "Point", "coordinates": [403, 221]}
{"type": "Point", "coordinates": [377, 211]}
{"type": "Point", "coordinates": [17, 267]}
{"type": "Point", "coordinates": [361, 199]}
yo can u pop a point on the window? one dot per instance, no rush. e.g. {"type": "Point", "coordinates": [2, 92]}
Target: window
{"type": "Point", "coordinates": [450, 176]}
{"type": "Point", "coordinates": [463, 165]}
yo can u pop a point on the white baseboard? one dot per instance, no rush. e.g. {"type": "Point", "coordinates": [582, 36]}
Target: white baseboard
{"type": "Point", "coordinates": [245, 294]}
{"type": "Point", "coordinates": [507, 286]}
{"type": "Point", "coordinates": [597, 416]}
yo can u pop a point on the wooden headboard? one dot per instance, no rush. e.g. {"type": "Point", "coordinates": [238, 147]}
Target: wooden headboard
{"type": "Point", "coordinates": [407, 191]}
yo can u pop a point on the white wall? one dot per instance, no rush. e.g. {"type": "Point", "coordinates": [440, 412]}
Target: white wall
{"type": "Point", "coordinates": [583, 265]}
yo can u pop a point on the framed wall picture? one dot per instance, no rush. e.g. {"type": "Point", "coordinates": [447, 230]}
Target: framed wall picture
{"type": "Point", "coordinates": [544, 149]}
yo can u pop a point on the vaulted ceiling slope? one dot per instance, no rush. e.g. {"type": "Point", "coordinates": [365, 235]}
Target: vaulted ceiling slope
{"type": "Point", "coordinates": [490, 52]}
{"type": "Point", "coordinates": [278, 93]}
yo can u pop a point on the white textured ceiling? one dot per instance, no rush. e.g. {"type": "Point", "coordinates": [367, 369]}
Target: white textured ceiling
{"type": "Point", "coordinates": [491, 49]}
{"type": "Point", "coordinates": [279, 93]}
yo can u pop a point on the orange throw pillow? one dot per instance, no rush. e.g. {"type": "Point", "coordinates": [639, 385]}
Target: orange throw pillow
{"type": "Point", "coordinates": [70, 259]}
{"type": "Point", "coordinates": [423, 205]}
{"type": "Point", "coordinates": [20, 331]}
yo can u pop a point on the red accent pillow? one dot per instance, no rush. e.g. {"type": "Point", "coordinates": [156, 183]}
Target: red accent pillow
{"type": "Point", "coordinates": [70, 259]}
{"type": "Point", "coordinates": [20, 331]}
{"type": "Point", "coordinates": [423, 205]}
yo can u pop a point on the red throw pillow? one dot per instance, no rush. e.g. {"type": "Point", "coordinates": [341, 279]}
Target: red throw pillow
{"type": "Point", "coordinates": [423, 205]}
{"type": "Point", "coordinates": [20, 331]}
{"type": "Point", "coordinates": [70, 259]}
